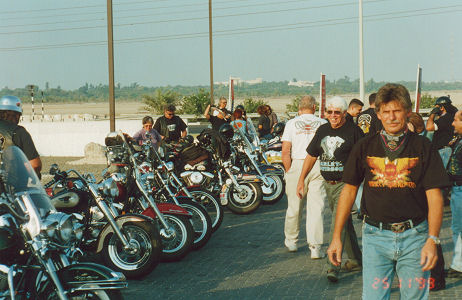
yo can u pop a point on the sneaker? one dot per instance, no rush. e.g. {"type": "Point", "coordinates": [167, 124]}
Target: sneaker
{"type": "Point", "coordinates": [292, 248]}
{"type": "Point", "coordinates": [316, 252]}
{"type": "Point", "coordinates": [332, 275]}
{"type": "Point", "coordinates": [451, 273]}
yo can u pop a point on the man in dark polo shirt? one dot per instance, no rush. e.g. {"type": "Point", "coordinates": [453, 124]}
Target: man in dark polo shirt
{"type": "Point", "coordinates": [402, 202]}
{"type": "Point", "coordinates": [332, 144]}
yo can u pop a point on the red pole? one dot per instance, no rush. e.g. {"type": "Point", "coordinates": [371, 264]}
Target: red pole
{"type": "Point", "coordinates": [322, 92]}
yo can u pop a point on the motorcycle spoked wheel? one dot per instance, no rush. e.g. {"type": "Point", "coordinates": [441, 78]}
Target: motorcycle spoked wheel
{"type": "Point", "coordinates": [200, 221]}
{"type": "Point", "coordinates": [211, 205]}
{"type": "Point", "coordinates": [146, 251]}
{"type": "Point", "coordinates": [275, 191]}
{"type": "Point", "coordinates": [246, 201]}
{"type": "Point", "coordinates": [178, 244]}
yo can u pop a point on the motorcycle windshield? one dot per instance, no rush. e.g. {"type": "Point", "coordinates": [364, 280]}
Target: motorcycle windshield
{"type": "Point", "coordinates": [20, 177]}
{"type": "Point", "coordinates": [253, 133]}
{"type": "Point", "coordinates": [240, 134]}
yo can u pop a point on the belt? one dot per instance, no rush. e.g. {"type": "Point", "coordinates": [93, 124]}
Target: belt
{"type": "Point", "coordinates": [333, 181]}
{"type": "Point", "coordinates": [395, 227]}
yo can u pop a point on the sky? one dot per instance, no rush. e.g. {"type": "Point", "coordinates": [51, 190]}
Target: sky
{"type": "Point", "coordinates": [166, 42]}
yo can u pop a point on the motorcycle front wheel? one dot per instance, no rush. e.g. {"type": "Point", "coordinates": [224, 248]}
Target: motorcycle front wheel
{"type": "Point", "coordinates": [200, 221]}
{"type": "Point", "coordinates": [245, 201]}
{"type": "Point", "coordinates": [141, 257]}
{"type": "Point", "coordinates": [274, 192]}
{"type": "Point", "coordinates": [211, 205]}
{"type": "Point", "coordinates": [176, 241]}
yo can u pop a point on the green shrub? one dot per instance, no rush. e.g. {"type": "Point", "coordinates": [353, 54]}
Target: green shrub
{"type": "Point", "coordinates": [157, 103]}
{"type": "Point", "coordinates": [251, 105]}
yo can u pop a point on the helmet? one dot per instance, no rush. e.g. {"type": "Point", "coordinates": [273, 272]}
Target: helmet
{"type": "Point", "coordinates": [278, 128]}
{"type": "Point", "coordinates": [11, 103]}
{"type": "Point", "coordinates": [226, 131]}
{"type": "Point", "coordinates": [241, 107]}
{"type": "Point", "coordinates": [205, 138]}
{"type": "Point", "coordinates": [443, 100]}
{"type": "Point", "coordinates": [189, 139]}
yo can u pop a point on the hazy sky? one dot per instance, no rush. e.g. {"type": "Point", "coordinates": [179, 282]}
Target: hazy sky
{"type": "Point", "coordinates": [165, 42]}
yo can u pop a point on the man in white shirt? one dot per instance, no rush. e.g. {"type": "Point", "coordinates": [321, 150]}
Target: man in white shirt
{"type": "Point", "coordinates": [297, 135]}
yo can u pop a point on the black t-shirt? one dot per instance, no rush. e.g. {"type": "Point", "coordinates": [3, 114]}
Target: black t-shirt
{"type": "Point", "coordinates": [217, 122]}
{"type": "Point", "coordinates": [349, 118]}
{"type": "Point", "coordinates": [332, 147]}
{"type": "Point", "coordinates": [455, 161]}
{"type": "Point", "coordinates": [170, 128]}
{"type": "Point", "coordinates": [394, 191]}
{"type": "Point", "coordinates": [368, 122]}
{"type": "Point", "coordinates": [445, 131]}
{"type": "Point", "coordinates": [23, 140]}
{"type": "Point", "coordinates": [265, 122]}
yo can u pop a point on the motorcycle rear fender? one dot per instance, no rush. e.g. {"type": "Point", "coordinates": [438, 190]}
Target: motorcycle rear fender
{"type": "Point", "coordinates": [167, 208]}
{"type": "Point", "coordinates": [120, 221]}
{"type": "Point", "coordinates": [270, 170]}
{"type": "Point", "coordinates": [90, 276]}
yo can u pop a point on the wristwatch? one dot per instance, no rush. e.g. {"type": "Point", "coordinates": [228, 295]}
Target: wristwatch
{"type": "Point", "coordinates": [435, 239]}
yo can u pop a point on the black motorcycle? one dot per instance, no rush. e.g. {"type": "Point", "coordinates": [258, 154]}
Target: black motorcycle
{"type": "Point", "coordinates": [129, 243]}
{"type": "Point", "coordinates": [38, 244]}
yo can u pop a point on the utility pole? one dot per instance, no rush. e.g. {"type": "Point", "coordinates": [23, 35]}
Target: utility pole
{"type": "Point", "coordinates": [211, 52]}
{"type": "Point", "coordinates": [361, 53]}
{"type": "Point", "coordinates": [110, 49]}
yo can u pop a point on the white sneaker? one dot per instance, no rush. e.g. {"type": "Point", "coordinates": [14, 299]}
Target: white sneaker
{"type": "Point", "coordinates": [291, 247]}
{"type": "Point", "coordinates": [316, 252]}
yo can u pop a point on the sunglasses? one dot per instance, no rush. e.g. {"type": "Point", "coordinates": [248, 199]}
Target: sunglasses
{"type": "Point", "coordinates": [335, 112]}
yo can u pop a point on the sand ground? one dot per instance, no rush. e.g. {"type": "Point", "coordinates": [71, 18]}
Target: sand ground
{"type": "Point", "coordinates": [127, 109]}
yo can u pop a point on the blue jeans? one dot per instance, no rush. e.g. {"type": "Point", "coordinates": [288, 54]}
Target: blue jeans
{"type": "Point", "coordinates": [456, 226]}
{"type": "Point", "coordinates": [386, 252]}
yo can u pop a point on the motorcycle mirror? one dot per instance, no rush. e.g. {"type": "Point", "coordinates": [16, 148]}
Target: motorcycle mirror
{"type": "Point", "coordinates": [54, 169]}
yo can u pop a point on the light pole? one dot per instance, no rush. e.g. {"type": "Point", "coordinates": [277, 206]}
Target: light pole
{"type": "Point", "coordinates": [110, 49]}
{"type": "Point", "coordinates": [361, 52]}
{"type": "Point", "coordinates": [211, 52]}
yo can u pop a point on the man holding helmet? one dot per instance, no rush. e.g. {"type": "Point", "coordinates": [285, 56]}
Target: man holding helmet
{"type": "Point", "coordinates": [13, 134]}
{"type": "Point", "coordinates": [440, 121]}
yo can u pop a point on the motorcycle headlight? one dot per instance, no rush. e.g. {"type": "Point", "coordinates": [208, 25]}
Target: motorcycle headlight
{"type": "Point", "coordinates": [110, 188]}
{"type": "Point", "coordinates": [196, 177]}
{"type": "Point", "coordinates": [62, 228]}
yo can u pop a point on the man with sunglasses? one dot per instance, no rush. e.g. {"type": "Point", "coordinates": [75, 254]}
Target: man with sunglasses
{"type": "Point", "coordinates": [332, 144]}
{"type": "Point", "coordinates": [170, 127]}
{"type": "Point", "coordinates": [402, 205]}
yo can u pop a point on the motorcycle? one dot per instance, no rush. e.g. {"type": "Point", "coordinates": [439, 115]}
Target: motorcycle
{"type": "Point", "coordinates": [248, 157]}
{"type": "Point", "coordinates": [271, 149]}
{"type": "Point", "coordinates": [38, 244]}
{"type": "Point", "coordinates": [240, 192]}
{"type": "Point", "coordinates": [172, 159]}
{"type": "Point", "coordinates": [162, 183]}
{"type": "Point", "coordinates": [133, 179]}
{"type": "Point", "coordinates": [129, 243]}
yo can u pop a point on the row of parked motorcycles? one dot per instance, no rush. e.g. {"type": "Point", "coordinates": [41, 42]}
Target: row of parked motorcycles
{"type": "Point", "coordinates": [153, 204]}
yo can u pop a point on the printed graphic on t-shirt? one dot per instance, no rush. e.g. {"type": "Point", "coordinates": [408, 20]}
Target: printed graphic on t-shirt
{"type": "Point", "coordinates": [328, 161]}
{"type": "Point", "coordinates": [171, 127]}
{"type": "Point", "coordinates": [329, 144]}
{"type": "Point", "coordinates": [391, 173]}
{"type": "Point", "coordinates": [364, 122]}
{"type": "Point", "coordinates": [303, 127]}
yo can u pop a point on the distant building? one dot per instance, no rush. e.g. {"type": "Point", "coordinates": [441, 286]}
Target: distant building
{"type": "Point", "coordinates": [301, 83]}
{"type": "Point", "coordinates": [238, 81]}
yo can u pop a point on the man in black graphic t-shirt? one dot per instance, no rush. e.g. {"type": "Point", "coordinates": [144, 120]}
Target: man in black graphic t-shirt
{"type": "Point", "coordinates": [367, 120]}
{"type": "Point", "coordinates": [440, 121]}
{"type": "Point", "coordinates": [332, 144]}
{"type": "Point", "coordinates": [170, 126]}
{"type": "Point", "coordinates": [402, 203]}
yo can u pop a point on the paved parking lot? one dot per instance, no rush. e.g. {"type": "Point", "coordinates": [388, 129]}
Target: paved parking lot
{"type": "Point", "coordinates": [246, 259]}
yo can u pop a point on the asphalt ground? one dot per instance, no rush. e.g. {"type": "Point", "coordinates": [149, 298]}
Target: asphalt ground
{"type": "Point", "coordinates": [246, 259]}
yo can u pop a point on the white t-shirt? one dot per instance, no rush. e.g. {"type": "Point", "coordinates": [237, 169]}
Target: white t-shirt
{"type": "Point", "coordinates": [300, 131]}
